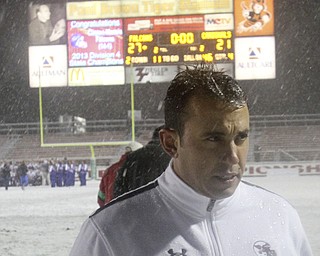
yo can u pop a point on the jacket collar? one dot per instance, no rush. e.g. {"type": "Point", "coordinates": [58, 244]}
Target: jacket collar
{"type": "Point", "coordinates": [188, 200]}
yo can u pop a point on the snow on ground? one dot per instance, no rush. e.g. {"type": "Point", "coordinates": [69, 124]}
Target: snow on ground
{"type": "Point", "coordinates": [44, 221]}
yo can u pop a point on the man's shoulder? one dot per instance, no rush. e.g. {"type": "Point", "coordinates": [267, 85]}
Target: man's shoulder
{"type": "Point", "coordinates": [264, 196]}
{"type": "Point", "coordinates": [34, 23]}
{"type": "Point", "coordinates": [136, 154]}
{"type": "Point", "coordinates": [112, 168]}
{"type": "Point", "coordinates": [129, 201]}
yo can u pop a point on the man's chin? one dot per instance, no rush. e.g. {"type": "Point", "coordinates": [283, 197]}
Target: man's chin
{"type": "Point", "coordinates": [223, 187]}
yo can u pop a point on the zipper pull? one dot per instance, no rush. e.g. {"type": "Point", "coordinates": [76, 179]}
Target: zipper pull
{"type": "Point", "coordinates": [210, 205]}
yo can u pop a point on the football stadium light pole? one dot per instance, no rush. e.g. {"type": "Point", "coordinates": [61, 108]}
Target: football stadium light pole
{"type": "Point", "coordinates": [132, 105]}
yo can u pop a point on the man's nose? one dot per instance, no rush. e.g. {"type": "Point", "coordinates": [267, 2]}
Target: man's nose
{"type": "Point", "coordinates": [231, 154]}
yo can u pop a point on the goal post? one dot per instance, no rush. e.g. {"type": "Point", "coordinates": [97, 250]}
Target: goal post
{"type": "Point", "coordinates": [88, 144]}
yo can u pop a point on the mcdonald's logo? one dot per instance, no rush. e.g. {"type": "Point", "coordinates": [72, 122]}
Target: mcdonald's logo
{"type": "Point", "coordinates": [76, 75]}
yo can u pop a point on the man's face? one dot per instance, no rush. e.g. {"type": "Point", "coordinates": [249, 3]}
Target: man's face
{"type": "Point", "coordinates": [212, 153]}
{"type": "Point", "coordinates": [44, 13]}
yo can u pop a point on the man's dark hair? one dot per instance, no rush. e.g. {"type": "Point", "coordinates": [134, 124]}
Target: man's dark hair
{"type": "Point", "coordinates": [142, 166]}
{"type": "Point", "coordinates": [199, 80]}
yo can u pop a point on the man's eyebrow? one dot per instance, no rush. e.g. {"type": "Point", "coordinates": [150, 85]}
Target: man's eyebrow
{"type": "Point", "coordinates": [218, 133]}
{"type": "Point", "coordinates": [215, 133]}
{"type": "Point", "coordinates": [246, 131]}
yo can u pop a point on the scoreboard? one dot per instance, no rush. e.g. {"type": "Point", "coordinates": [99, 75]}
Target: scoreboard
{"type": "Point", "coordinates": [179, 47]}
{"type": "Point", "coordinates": [104, 40]}
{"type": "Point", "coordinates": [176, 40]}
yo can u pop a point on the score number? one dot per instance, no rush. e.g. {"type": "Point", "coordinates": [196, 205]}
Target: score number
{"type": "Point", "coordinates": [139, 46]}
{"type": "Point", "coordinates": [182, 38]}
{"type": "Point", "coordinates": [222, 38]}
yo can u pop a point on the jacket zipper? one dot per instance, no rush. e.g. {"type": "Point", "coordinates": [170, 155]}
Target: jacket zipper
{"type": "Point", "coordinates": [212, 230]}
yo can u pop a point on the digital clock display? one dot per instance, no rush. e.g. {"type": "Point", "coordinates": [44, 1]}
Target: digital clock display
{"type": "Point", "coordinates": [176, 40]}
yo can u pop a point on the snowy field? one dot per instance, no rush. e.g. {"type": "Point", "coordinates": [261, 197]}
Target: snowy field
{"type": "Point", "coordinates": [44, 221]}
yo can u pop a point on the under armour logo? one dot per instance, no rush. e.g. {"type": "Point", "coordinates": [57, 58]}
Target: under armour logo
{"type": "Point", "coordinates": [182, 253]}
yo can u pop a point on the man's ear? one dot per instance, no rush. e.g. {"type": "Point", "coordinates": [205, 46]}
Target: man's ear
{"type": "Point", "coordinates": [169, 141]}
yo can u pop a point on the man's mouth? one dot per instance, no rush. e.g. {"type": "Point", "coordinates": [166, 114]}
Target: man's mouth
{"type": "Point", "coordinates": [226, 178]}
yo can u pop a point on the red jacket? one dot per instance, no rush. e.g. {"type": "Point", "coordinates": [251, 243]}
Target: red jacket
{"type": "Point", "coordinates": [105, 193]}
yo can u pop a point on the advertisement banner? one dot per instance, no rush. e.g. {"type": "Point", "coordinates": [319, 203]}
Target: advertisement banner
{"type": "Point", "coordinates": [254, 18]}
{"type": "Point", "coordinates": [151, 74]}
{"type": "Point", "coordinates": [138, 8]}
{"type": "Point", "coordinates": [95, 43]}
{"type": "Point", "coordinates": [164, 24]}
{"type": "Point", "coordinates": [48, 66]}
{"type": "Point", "coordinates": [221, 21]}
{"type": "Point", "coordinates": [301, 169]}
{"type": "Point", "coordinates": [255, 58]}
{"type": "Point", "coordinates": [86, 76]}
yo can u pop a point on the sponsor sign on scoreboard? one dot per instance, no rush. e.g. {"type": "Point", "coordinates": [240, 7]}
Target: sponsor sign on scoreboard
{"type": "Point", "coordinates": [255, 58]}
{"type": "Point", "coordinates": [151, 74]}
{"type": "Point", "coordinates": [86, 76]}
{"type": "Point", "coordinates": [47, 66]}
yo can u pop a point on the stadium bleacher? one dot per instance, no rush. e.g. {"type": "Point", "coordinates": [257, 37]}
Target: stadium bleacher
{"type": "Point", "coordinates": [272, 139]}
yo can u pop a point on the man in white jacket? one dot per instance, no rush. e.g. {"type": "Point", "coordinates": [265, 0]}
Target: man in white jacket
{"type": "Point", "coordinates": [199, 205]}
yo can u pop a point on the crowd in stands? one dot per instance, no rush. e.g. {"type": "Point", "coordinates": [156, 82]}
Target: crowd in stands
{"type": "Point", "coordinates": [54, 173]}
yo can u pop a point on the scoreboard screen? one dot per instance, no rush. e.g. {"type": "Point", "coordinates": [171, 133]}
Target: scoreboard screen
{"type": "Point", "coordinates": [179, 47]}
{"type": "Point", "coordinates": [89, 43]}
{"type": "Point", "coordinates": [176, 40]}
{"type": "Point", "coordinates": [95, 43]}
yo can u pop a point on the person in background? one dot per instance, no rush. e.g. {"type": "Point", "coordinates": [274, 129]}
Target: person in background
{"type": "Point", "coordinates": [22, 172]}
{"type": "Point", "coordinates": [72, 173]}
{"type": "Point", "coordinates": [5, 173]}
{"type": "Point", "coordinates": [83, 170]}
{"type": "Point", "coordinates": [44, 169]}
{"type": "Point", "coordinates": [59, 174]}
{"type": "Point", "coordinates": [66, 173]}
{"type": "Point", "coordinates": [53, 173]}
{"type": "Point", "coordinates": [106, 186]}
{"type": "Point", "coordinates": [199, 205]}
{"type": "Point", "coordinates": [142, 166]}
{"type": "Point", "coordinates": [13, 172]}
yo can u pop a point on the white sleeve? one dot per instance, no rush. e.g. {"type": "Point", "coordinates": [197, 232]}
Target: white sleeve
{"type": "Point", "coordinates": [300, 239]}
{"type": "Point", "coordinates": [90, 242]}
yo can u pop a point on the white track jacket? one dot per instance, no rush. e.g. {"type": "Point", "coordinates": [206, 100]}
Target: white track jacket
{"type": "Point", "coordinates": [167, 217]}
